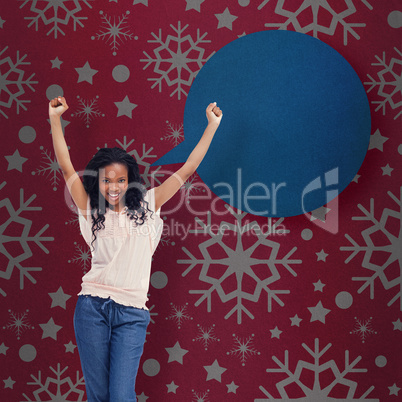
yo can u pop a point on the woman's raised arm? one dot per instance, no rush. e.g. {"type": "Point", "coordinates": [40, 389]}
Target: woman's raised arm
{"type": "Point", "coordinates": [57, 107]}
{"type": "Point", "coordinates": [171, 185]}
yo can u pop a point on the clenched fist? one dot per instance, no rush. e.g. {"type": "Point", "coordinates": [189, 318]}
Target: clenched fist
{"type": "Point", "coordinates": [214, 113]}
{"type": "Point", "coordinates": [57, 106]}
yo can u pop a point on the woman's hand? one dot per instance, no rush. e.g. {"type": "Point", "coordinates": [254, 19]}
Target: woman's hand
{"type": "Point", "coordinates": [57, 106]}
{"type": "Point", "coordinates": [214, 114]}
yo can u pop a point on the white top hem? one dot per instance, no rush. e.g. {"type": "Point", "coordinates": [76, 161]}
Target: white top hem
{"type": "Point", "coordinates": [96, 291]}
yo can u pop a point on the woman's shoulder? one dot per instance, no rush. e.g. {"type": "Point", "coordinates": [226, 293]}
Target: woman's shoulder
{"type": "Point", "coordinates": [149, 191]}
{"type": "Point", "coordinates": [149, 195]}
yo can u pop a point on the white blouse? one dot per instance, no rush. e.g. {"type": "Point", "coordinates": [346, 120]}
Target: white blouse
{"type": "Point", "coordinates": [122, 255]}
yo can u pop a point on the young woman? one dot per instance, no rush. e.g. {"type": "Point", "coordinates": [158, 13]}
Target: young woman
{"type": "Point", "coordinates": [120, 221]}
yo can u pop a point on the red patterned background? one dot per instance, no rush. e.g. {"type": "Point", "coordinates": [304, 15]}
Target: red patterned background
{"type": "Point", "coordinates": [319, 319]}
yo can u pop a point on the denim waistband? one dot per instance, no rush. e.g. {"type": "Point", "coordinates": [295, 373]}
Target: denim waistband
{"type": "Point", "coordinates": [106, 299]}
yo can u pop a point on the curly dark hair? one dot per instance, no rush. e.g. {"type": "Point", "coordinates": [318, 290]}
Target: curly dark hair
{"type": "Point", "coordinates": [137, 207]}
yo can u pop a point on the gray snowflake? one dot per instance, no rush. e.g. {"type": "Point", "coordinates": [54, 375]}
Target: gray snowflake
{"type": "Point", "coordinates": [50, 167]}
{"type": "Point", "coordinates": [200, 397]}
{"type": "Point", "coordinates": [179, 313]}
{"type": "Point", "coordinates": [75, 219]}
{"type": "Point", "coordinates": [82, 257]}
{"type": "Point", "coordinates": [18, 323]}
{"type": "Point", "coordinates": [20, 241]}
{"type": "Point", "coordinates": [174, 133]}
{"type": "Point", "coordinates": [114, 33]}
{"type": "Point", "coordinates": [57, 388]}
{"type": "Point", "coordinates": [56, 13]}
{"type": "Point", "coordinates": [153, 314]}
{"type": "Point", "coordinates": [165, 240]}
{"type": "Point", "coordinates": [314, 27]}
{"type": "Point", "coordinates": [390, 245]}
{"type": "Point", "coordinates": [389, 83]}
{"type": "Point", "coordinates": [363, 328]}
{"type": "Point", "coordinates": [206, 335]}
{"type": "Point", "coordinates": [88, 110]}
{"type": "Point", "coordinates": [239, 263]}
{"type": "Point", "coordinates": [243, 348]}
{"type": "Point", "coordinates": [191, 186]}
{"type": "Point", "coordinates": [184, 53]}
{"type": "Point", "coordinates": [13, 82]}
{"type": "Point", "coordinates": [315, 392]}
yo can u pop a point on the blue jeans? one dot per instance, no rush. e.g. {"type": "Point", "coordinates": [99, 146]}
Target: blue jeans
{"type": "Point", "coordinates": [110, 339]}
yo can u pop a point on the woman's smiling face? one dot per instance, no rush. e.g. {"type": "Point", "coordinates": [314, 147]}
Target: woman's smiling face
{"type": "Point", "coordinates": [113, 183]}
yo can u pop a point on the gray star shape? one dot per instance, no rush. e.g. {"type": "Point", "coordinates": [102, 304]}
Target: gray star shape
{"type": "Point", "coordinates": [394, 389]}
{"type": "Point", "coordinates": [50, 329]}
{"type": "Point", "coordinates": [214, 371]}
{"type": "Point", "coordinates": [232, 387]}
{"type": "Point", "coordinates": [56, 63]}
{"type": "Point", "coordinates": [295, 321]}
{"type": "Point", "coordinates": [176, 353]}
{"type": "Point", "coordinates": [225, 19]}
{"type": "Point", "coordinates": [387, 170]}
{"type": "Point", "coordinates": [125, 108]}
{"type": "Point", "coordinates": [397, 325]}
{"type": "Point", "coordinates": [3, 349]}
{"type": "Point", "coordinates": [172, 387]}
{"type": "Point", "coordinates": [356, 178]}
{"type": "Point", "coordinates": [2, 22]}
{"type": "Point", "coordinates": [85, 73]}
{"type": "Point", "coordinates": [194, 5]}
{"type": "Point", "coordinates": [318, 312]}
{"type": "Point", "coordinates": [318, 286]}
{"type": "Point", "coordinates": [322, 256]}
{"type": "Point", "coordinates": [59, 298]}
{"type": "Point", "coordinates": [377, 141]}
{"type": "Point", "coordinates": [9, 383]}
{"type": "Point", "coordinates": [70, 347]}
{"type": "Point", "coordinates": [142, 397]}
{"type": "Point", "coordinates": [145, 2]}
{"type": "Point", "coordinates": [15, 161]}
{"type": "Point", "coordinates": [276, 332]}
{"type": "Point", "coordinates": [319, 213]}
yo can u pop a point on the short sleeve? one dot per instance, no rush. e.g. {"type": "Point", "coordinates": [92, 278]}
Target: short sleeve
{"type": "Point", "coordinates": [85, 227]}
{"type": "Point", "coordinates": [156, 222]}
{"type": "Point", "coordinates": [150, 197]}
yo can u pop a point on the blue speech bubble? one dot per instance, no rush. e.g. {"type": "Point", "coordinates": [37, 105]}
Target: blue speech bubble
{"type": "Point", "coordinates": [296, 124]}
